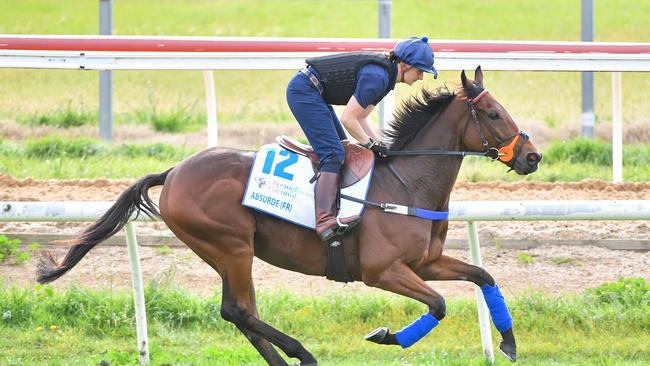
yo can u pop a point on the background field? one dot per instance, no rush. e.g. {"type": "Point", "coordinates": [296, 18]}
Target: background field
{"type": "Point", "coordinates": [251, 104]}
{"type": "Point", "coordinates": [541, 101]}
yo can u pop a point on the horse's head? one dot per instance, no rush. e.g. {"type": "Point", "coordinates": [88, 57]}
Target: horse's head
{"type": "Point", "coordinates": [490, 127]}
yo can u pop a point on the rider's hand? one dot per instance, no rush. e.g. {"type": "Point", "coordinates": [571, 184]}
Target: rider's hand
{"type": "Point", "coordinates": [377, 147]}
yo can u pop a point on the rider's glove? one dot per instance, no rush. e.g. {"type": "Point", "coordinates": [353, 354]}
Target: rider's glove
{"type": "Point", "coordinates": [377, 147]}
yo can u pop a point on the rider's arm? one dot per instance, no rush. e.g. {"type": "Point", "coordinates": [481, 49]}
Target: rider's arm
{"type": "Point", "coordinates": [367, 126]}
{"type": "Point", "coordinates": [354, 119]}
{"type": "Point", "coordinates": [371, 84]}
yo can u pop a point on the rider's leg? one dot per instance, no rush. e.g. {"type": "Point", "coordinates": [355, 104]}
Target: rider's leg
{"type": "Point", "coordinates": [324, 132]}
{"type": "Point", "coordinates": [326, 204]}
{"type": "Point", "coordinates": [337, 124]}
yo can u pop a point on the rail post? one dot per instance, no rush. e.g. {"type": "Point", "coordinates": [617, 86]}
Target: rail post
{"type": "Point", "coordinates": [211, 108]}
{"type": "Point", "coordinates": [106, 76]}
{"type": "Point", "coordinates": [483, 313]}
{"type": "Point", "coordinates": [387, 105]}
{"type": "Point", "coordinates": [617, 128]}
{"type": "Point", "coordinates": [138, 295]}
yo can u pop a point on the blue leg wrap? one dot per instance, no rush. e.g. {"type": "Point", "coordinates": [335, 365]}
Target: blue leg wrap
{"type": "Point", "coordinates": [498, 308]}
{"type": "Point", "coordinates": [416, 330]}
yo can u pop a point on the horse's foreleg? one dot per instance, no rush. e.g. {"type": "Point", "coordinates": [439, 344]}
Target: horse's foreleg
{"type": "Point", "coordinates": [448, 268]}
{"type": "Point", "coordinates": [400, 279]}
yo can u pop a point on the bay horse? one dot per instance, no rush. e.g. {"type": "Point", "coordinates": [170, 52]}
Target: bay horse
{"type": "Point", "coordinates": [201, 203]}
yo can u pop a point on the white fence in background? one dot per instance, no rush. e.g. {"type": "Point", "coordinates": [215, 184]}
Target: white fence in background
{"type": "Point", "coordinates": [255, 53]}
{"type": "Point", "coordinates": [261, 53]}
{"type": "Point", "coordinates": [470, 211]}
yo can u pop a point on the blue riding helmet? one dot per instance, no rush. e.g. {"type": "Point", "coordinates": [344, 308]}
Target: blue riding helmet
{"type": "Point", "coordinates": [417, 52]}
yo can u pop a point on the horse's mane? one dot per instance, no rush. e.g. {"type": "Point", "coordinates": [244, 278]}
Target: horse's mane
{"type": "Point", "coordinates": [414, 115]}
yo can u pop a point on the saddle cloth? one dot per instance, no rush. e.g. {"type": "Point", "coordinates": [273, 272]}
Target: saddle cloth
{"type": "Point", "coordinates": [279, 185]}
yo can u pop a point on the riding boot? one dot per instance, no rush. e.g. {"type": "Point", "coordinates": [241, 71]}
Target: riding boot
{"type": "Point", "coordinates": [326, 199]}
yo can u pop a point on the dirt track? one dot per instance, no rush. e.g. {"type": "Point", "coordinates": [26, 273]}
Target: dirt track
{"type": "Point", "coordinates": [554, 269]}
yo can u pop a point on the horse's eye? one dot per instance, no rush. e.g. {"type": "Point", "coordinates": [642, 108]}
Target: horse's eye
{"type": "Point", "coordinates": [493, 115]}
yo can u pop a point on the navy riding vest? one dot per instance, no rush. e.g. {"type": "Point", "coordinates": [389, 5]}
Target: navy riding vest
{"type": "Point", "coordinates": [338, 74]}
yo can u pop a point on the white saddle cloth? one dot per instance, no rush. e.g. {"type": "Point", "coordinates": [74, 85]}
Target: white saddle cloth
{"type": "Point", "coordinates": [278, 185]}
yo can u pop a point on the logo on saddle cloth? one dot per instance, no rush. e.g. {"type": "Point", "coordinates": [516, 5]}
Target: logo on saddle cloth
{"type": "Point", "coordinates": [278, 184]}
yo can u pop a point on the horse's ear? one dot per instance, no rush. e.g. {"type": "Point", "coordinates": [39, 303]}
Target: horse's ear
{"type": "Point", "coordinates": [463, 79]}
{"type": "Point", "coordinates": [478, 76]}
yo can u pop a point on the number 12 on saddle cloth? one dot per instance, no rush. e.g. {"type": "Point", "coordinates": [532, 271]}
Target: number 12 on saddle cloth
{"type": "Point", "coordinates": [279, 185]}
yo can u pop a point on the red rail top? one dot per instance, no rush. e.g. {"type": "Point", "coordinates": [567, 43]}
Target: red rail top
{"type": "Point", "coordinates": [220, 44]}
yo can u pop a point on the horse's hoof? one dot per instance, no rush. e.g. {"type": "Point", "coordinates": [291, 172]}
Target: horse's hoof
{"type": "Point", "coordinates": [509, 350]}
{"type": "Point", "coordinates": [377, 336]}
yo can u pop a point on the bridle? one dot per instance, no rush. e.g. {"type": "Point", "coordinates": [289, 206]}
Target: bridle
{"type": "Point", "coordinates": [506, 154]}
{"type": "Point", "coordinates": [503, 151]}
{"type": "Point", "coordinates": [500, 152]}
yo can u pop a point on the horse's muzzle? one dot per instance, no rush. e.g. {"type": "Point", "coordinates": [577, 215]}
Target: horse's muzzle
{"type": "Point", "coordinates": [529, 163]}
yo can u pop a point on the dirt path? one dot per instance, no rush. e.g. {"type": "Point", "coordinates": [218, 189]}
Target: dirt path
{"type": "Point", "coordinates": [554, 269]}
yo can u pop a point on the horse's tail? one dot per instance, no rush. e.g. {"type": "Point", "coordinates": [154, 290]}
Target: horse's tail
{"type": "Point", "coordinates": [135, 198]}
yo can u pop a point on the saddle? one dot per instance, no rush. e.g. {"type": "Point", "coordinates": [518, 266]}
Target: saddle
{"type": "Point", "coordinates": [358, 160]}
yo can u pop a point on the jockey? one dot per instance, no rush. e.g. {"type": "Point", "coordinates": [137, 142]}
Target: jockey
{"type": "Point", "coordinates": [358, 80]}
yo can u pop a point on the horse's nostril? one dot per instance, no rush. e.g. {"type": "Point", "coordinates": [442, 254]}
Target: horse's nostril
{"type": "Point", "coordinates": [534, 157]}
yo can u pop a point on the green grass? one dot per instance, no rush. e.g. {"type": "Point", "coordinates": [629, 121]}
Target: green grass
{"type": "Point", "coordinates": [56, 157]}
{"type": "Point", "coordinates": [571, 160]}
{"type": "Point", "coordinates": [165, 250]}
{"type": "Point", "coordinates": [595, 152]}
{"type": "Point", "coordinates": [11, 251]}
{"type": "Point", "coordinates": [606, 326]}
{"type": "Point", "coordinates": [180, 119]}
{"type": "Point", "coordinates": [525, 258]}
{"type": "Point", "coordinates": [534, 98]}
{"type": "Point", "coordinates": [61, 117]}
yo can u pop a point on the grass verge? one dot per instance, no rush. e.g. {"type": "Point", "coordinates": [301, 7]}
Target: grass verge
{"type": "Point", "coordinates": [605, 326]}
{"type": "Point", "coordinates": [61, 158]}
{"type": "Point", "coordinates": [572, 160]}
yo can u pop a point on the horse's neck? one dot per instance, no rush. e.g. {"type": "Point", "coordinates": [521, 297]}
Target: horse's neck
{"type": "Point", "coordinates": [430, 178]}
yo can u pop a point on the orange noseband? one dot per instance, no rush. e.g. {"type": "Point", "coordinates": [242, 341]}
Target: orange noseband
{"type": "Point", "coordinates": [507, 153]}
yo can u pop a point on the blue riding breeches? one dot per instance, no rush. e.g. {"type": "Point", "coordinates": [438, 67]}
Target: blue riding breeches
{"type": "Point", "coordinates": [318, 121]}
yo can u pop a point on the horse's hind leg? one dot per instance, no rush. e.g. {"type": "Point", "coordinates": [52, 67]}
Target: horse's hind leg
{"type": "Point", "coordinates": [231, 255]}
{"type": "Point", "coordinates": [238, 307]}
{"type": "Point", "coordinates": [448, 268]}
{"type": "Point", "coordinates": [264, 347]}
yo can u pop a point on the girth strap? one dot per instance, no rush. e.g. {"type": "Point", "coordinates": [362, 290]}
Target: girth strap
{"type": "Point", "coordinates": [336, 268]}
